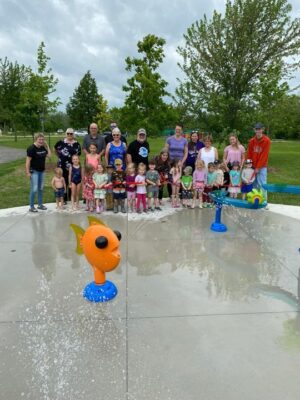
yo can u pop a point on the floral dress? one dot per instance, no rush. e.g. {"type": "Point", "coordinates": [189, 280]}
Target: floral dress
{"type": "Point", "coordinates": [88, 187]}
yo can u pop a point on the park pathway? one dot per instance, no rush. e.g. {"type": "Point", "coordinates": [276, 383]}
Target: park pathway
{"type": "Point", "coordinates": [8, 154]}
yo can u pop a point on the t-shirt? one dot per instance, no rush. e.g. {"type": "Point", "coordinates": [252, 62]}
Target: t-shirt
{"type": "Point", "coordinates": [38, 157]}
{"type": "Point", "coordinates": [235, 177]}
{"type": "Point", "coordinates": [176, 147]}
{"type": "Point", "coordinates": [186, 180]}
{"type": "Point", "coordinates": [139, 152]}
{"type": "Point", "coordinates": [193, 150]}
{"type": "Point", "coordinates": [98, 141]}
{"type": "Point", "coordinates": [200, 175]}
{"type": "Point", "coordinates": [211, 178]}
{"type": "Point", "coordinates": [140, 189]}
{"type": "Point", "coordinates": [234, 154]}
{"type": "Point", "coordinates": [152, 176]}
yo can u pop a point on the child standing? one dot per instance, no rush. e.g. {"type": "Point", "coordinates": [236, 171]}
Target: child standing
{"type": "Point", "coordinates": [153, 182]}
{"type": "Point", "coordinates": [130, 186]}
{"type": "Point", "coordinates": [248, 177]}
{"type": "Point", "coordinates": [226, 179]}
{"type": "Point", "coordinates": [140, 181]}
{"type": "Point", "coordinates": [219, 174]}
{"type": "Point", "coordinates": [118, 180]}
{"type": "Point", "coordinates": [186, 186]}
{"type": "Point", "coordinates": [175, 173]}
{"type": "Point", "coordinates": [199, 182]}
{"type": "Point", "coordinates": [92, 157]}
{"type": "Point", "coordinates": [75, 178]}
{"type": "Point", "coordinates": [163, 168]}
{"type": "Point", "coordinates": [88, 187]}
{"type": "Point", "coordinates": [211, 183]}
{"type": "Point", "coordinates": [109, 188]}
{"type": "Point", "coordinates": [100, 180]}
{"type": "Point", "coordinates": [235, 180]}
{"type": "Point", "coordinates": [59, 186]}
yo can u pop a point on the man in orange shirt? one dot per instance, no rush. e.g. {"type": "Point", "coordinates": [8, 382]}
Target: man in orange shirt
{"type": "Point", "coordinates": [258, 152]}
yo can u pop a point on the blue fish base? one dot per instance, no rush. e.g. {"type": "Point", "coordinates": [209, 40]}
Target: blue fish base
{"type": "Point", "coordinates": [218, 227]}
{"type": "Point", "coordinates": [100, 293]}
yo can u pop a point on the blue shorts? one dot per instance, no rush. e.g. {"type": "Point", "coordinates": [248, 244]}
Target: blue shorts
{"type": "Point", "coordinates": [246, 188]}
{"type": "Point", "coordinates": [59, 193]}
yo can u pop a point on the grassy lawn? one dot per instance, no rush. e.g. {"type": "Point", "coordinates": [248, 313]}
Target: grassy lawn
{"type": "Point", "coordinates": [284, 167]}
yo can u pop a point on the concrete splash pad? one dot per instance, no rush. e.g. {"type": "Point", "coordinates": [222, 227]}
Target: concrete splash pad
{"type": "Point", "coordinates": [198, 314]}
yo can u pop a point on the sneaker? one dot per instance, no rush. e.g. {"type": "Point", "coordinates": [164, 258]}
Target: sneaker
{"type": "Point", "coordinates": [42, 207]}
{"type": "Point", "coordinates": [158, 208]}
{"type": "Point", "coordinates": [33, 210]}
{"type": "Point", "coordinates": [145, 211]}
{"type": "Point", "coordinates": [200, 206]}
{"type": "Point", "coordinates": [98, 210]}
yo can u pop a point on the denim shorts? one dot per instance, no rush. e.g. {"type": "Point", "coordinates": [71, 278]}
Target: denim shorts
{"type": "Point", "coordinates": [59, 193]}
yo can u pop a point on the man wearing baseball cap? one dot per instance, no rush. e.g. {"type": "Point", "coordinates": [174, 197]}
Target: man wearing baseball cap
{"type": "Point", "coordinates": [138, 150]}
{"type": "Point", "coordinates": [258, 152]}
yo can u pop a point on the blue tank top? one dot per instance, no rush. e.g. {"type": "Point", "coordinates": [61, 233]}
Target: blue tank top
{"type": "Point", "coordinates": [117, 152]}
{"type": "Point", "coordinates": [76, 175]}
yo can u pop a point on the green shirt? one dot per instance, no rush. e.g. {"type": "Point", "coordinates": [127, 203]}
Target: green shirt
{"type": "Point", "coordinates": [186, 181]}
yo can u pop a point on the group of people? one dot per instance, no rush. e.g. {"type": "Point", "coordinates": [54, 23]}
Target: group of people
{"type": "Point", "coordinates": [113, 171]}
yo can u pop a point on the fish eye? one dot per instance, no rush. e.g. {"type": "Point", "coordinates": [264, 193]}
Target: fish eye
{"type": "Point", "coordinates": [101, 242]}
{"type": "Point", "coordinates": [118, 234]}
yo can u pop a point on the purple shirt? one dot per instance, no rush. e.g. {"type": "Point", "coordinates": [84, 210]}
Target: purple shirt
{"type": "Point", "coordinates": [200, 175]}
{"type": "Point", "coordinates": [234, 154]}
{"type": "Point", "coordinates": [176, 147]}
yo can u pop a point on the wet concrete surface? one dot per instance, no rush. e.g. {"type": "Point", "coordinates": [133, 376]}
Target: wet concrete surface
{"type": "Point", "coordinates": [198, 314]}
{"type": "Point", "coordinates": [8, 154]}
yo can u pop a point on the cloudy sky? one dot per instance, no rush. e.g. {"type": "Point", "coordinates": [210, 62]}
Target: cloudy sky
{"type": "Point", "coordinates": [98, 35]}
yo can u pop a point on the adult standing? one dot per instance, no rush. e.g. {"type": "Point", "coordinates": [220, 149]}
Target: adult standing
{"type": "Point", "coordinates": [109, 138]}
{"type": "Point", "coordinates": [234, 152]}
{"type": "Point", "coordinates": [208, 153]}
{"type": "Point", "coordinates": [258, 152]}
{"type": "Point", "coordinates": [116, 150]}
{"type": "Point", "coordinates": [93, 137]}
{"type": "Point", "coordinates": [194, 146]}
{"type": "Point", "coordinates": [35, 168]}
{"type": "Point", "coordinates": [177, 145]}
{"type": "Point", "coordinates": [138, 150]}
{"type": "Point", "coordinates": [64, 150]}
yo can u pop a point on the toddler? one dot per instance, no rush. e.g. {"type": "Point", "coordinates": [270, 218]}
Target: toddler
{"type": "Point", "coordinates": [199, 182]}
{"type": "Point", "coordinates": [109, 188]}
{"type": "Point", "coordinates": [118, 180]}
{"type": "Point", "coordinates": [153, 183]}
{"type": "Point", "coordinates": [219, 174]}
{"type": "Point", "coordinates": [88, 187]}
{"type": "Point", "coordinates": [211, 183]}
{"type": "Point", "coordinates": [75, 178]}
{"type": "Point", "coordinates": [140, 181]}
{"type": "Point", "coordinates": [235, 180]}
{"type": "Point", "coordinates": [58, 184]}
{"type": "Point", "coordinates": [248, 177]}
{"type": "Point", "coordinates": [186, 186]}
{"type": "Point", "coordinates": [175, 174]}
{"type": "Point", "coordinates": [130, 186]}
{"type": "Point", "coordinates": [100, 181]}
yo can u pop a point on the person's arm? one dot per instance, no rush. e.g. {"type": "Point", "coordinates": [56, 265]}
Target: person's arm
{"type": "Point", "coordinates": [27, 166]}
{"type": "Point", "coordinates": [64, 182]}
{"type": "Point", "coordinates": [225, 155]}
{"type": "Point", "coordinates": [216, 154]}
{"type": "Point", "coordinates": [242, 156]}
{"type": "Point", "coordinates": [107, 153]}
{"type": "Point", "coordinates": [185, 153]}
{"type": "Point", "coordinates": [84, 145]}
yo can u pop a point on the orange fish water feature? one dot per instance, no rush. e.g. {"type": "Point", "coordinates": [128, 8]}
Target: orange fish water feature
{"type": "Point", "coordinates": [100, 245]}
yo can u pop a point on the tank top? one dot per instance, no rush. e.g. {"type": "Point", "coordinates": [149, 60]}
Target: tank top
{"type": "Point", "coordinates": [117, 152]}
{"type": "Point", "coordinates": [207, 156]}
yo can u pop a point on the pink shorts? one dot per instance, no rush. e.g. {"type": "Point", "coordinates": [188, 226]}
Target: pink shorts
{"type": "Point", "coordinates": [199, 186]}
{"type": "Point", "coordinates": [130, 195]}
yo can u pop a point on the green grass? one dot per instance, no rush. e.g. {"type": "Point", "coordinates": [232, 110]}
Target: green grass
{"type": "Point", "coordinates": [284, 167]}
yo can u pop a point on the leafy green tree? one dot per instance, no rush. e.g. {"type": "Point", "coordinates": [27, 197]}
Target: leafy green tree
{"type": "Point", "coordinates": [12, 79]}
{"type": "Point", "coordinates": [103, 117]}
{"type": "Point", "coordinates": [144, 105]}
{"type": "Point", "coordinates": [83, 106]}
{"type": "Point", "coordinates": [57, 120]}
{"type": "Point", "coordinates": [225, 58]}
{"type": "Point", "coordinates": [35, 104]}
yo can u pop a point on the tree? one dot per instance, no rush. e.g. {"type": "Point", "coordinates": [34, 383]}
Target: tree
{"type": "Point", "coordinates": [144, 105]}
{"type": "Point", "coordinates": [12, 79]}
{"type": "Point", "coordinates": [225, 58]}
{"type": "Point", "coordinates": [103, 117]}
{"type": "Point", "coordinates": [35, 103]}
{"type": "Point", "coordinates": [83, 106]}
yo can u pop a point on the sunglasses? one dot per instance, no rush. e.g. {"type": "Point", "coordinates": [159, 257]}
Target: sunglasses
{"type": "Point", "coordinates": [69, 133]}
{"type": "Point", "coordinates": [116, 135]}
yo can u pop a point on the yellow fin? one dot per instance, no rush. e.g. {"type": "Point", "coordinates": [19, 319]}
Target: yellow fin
{"type": "Point", "coordinates": [95, 221]}
{"type": "Point", "coordinates": [79, 232]}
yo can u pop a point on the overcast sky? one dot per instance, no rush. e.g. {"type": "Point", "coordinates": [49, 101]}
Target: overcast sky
{"type": "Point", "coordinates": [98, 35]}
